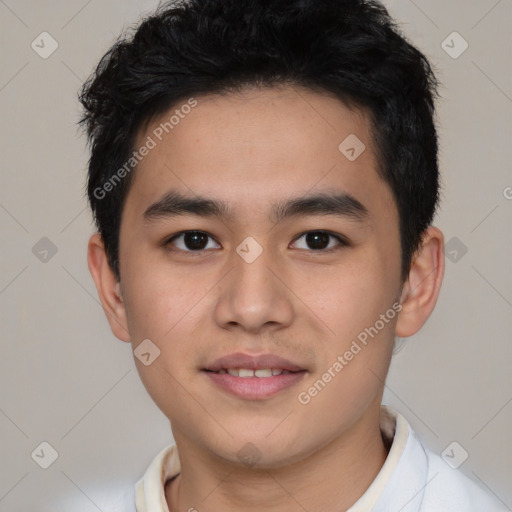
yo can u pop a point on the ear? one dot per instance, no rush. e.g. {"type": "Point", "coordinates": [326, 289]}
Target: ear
{"type": "Point", "coordinates": [420, 292]}
{"type": "Point", "coordinates": [108, 287]}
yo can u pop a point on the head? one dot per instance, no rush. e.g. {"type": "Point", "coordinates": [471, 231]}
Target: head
{"type": "Point", "coordinates": [301, 134]}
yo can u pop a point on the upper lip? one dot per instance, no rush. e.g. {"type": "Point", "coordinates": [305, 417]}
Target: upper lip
{"type": "Point", "coordinates": [251, 362]}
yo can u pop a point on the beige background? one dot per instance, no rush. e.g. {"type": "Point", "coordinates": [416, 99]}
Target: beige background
{"type": "Point", "coordinates": [64, 378]}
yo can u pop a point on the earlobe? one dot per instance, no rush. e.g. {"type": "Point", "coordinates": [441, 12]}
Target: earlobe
{"type": "Point", "coordinates": [108, 287]}
{"type": "Point", "coordinates": [420, 292]}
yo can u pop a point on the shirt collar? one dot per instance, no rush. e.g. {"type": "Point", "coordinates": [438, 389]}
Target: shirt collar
{"type": "Point", "coordinates": [150, 489]}
{"type": "Point", "coordinates": [399, 484]}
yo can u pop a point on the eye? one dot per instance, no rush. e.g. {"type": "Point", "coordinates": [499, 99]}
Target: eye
{"type": "Point", "coordinates": [319, 241]}
{"type": "Point", "coordinates": [196, 241]}
{"type": "Point", "coordinates": [191, 241]}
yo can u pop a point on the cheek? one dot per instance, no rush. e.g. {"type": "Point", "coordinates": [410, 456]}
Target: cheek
{"type": "Point", "coordinates": [158, 297]}
{"type": "Point", "coordinates": [349, 297]}
{"type": "Point", "coordinates": [356, 353]}
{"type": "Point", "coordinates": [350, 304]}
{"type": "Point", "coordinates": [161, 308]}
{"type": "Point", "coordinates": [174, 310]}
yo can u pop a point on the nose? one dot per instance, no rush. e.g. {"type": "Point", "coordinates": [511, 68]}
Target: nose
{"type": "Point", "coordinates": [254, 296]}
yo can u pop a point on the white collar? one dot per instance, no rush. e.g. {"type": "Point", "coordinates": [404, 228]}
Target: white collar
{"type": "Point", "coordinates": [400, 484]}
{"type": "Point", "coordinates": [387, 490]}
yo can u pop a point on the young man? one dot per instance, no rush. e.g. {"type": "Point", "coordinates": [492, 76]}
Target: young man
{"type": "Point", "coordinates": [264, 176]}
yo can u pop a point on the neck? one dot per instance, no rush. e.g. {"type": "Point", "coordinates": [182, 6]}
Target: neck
{"type": "Point", "coordinates": [334, 477]}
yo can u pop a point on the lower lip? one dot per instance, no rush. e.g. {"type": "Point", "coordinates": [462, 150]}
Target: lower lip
{"type": "Point", "coordinates": [255, 388]}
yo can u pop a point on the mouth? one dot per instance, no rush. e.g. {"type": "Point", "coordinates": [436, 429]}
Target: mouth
{"type": "Point", "coordinates": [253, 377]}
{"type": "Point", "coordinates": [260, 373]}
{"type": "Point", "coordinates": [254, 384]}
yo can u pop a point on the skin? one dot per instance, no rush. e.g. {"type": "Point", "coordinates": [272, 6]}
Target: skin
{"type": "Point", "coordinates": [251, 150]}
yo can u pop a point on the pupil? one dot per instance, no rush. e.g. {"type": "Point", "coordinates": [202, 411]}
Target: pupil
{"type": "Point", "coordinates": [195, 240]}
{"type": "Point", "coordinates": [317, 240]}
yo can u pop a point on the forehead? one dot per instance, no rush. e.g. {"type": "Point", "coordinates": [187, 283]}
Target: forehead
{"type": "Point", "coordinates": [258, 146]}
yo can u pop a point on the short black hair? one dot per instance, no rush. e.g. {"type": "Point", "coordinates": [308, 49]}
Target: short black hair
{"type": "Point", "coordinates": [350, 48]}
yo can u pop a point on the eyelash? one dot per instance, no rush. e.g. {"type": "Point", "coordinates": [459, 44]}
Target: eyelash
{"type": "Point", "coordinates": [342, 241]}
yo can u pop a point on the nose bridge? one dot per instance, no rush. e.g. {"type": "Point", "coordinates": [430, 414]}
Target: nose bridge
{"type": "Point", "coordinates": [253, 284]}
{"type": "Point", "coordinates": [253, 295]}
{"type": "Point", "coordinates": [251, 267]}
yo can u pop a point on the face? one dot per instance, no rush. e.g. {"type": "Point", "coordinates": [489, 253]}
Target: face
{"type": "Point", "coordinates": [266, 272]}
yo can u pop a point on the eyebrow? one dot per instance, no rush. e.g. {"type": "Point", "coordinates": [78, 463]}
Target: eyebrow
{"type": "Point", "coordinates": [339, 204]}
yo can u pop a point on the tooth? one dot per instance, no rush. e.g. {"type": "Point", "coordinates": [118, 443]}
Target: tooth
{"type": "Point", "coordinates": [264, 372]}
{"type": "Point", "coordinates": [245, 372]}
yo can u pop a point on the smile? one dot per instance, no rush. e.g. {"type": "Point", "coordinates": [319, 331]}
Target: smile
{"type": "Point", "coordinates": [257, 384]}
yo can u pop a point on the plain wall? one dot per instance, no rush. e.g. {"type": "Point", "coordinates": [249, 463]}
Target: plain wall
{"type": "Point", "coordinates": [65, 379]}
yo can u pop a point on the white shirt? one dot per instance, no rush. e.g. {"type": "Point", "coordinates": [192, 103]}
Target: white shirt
{"type": "Point", "coordinates": [412, 479]}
